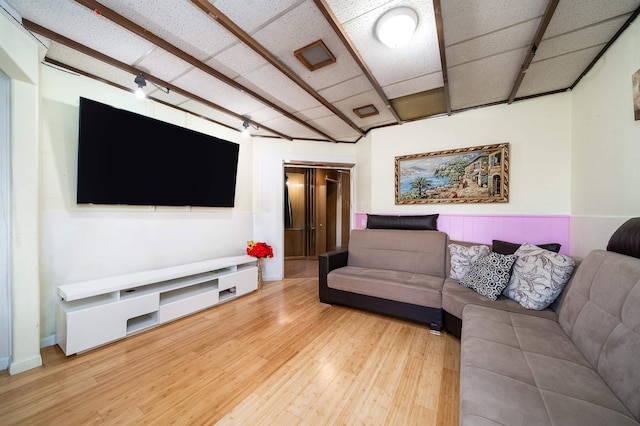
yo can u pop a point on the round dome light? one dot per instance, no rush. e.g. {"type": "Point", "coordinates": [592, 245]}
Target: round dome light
{"type": "Point", "coordinates": [396, 27]}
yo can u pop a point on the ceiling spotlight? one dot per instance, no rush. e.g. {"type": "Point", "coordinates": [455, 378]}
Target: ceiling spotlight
{"type": "Point", "coordinates": [141, 82]}
{"type": "Point", "coordinates": [245, 130]}
{"type": "Point", "coordinates": [396, 27]}
{"type": "Point", "coordinates": [246, 124]}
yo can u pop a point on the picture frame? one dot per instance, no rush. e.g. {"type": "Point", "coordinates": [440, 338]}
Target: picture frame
{"type": "Point", "coordinates": [478, 174]}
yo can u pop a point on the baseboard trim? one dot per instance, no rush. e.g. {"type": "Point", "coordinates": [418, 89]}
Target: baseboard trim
{"type": "Point", "coordinates": [48, 341]}
{"type": "Point", "coordinates": [24, 365]}
{"type": "Point", "coordinates": [4, 363]}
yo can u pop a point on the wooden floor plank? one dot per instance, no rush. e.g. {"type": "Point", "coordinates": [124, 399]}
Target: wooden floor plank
{"type": "Point", "coordinates": [275, 356]}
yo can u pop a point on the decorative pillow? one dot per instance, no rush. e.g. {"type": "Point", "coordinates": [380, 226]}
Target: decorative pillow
{"type": "Point", "coordinates": [505, 247]}
{"type": "Point", "coordinates": [538, 277]}
{"type": "Point", "coordinates": [463, 257]}
{"type": "Point", "coordinates": [489, 275]}
{"type": "Point", "coordinates": [425, 222]}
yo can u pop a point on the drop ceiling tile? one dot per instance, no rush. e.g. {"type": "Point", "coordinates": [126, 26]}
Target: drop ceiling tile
{"type": "Point", "coordinates": [272, 84]}
{"type": "Point", "coordinates": [335, 127]}
{"type": "Point", "coordinates": [313, 113]}
{"type": "Point", "coordinates": [80, 24]}
{"type": "Point", "coordinates": [573, 14]}
{"type": "Point", "coordinates": [556, 73]}
{"type": "Point", "coordinates": [598, 34]}
{"type": "Point", "coordinates": [260, 11]}
{"type": "Point", "coordinates": [293, 128]}
{"type": "Point", "coordinates": [203, 110]}
{"type": "Point", "coordinates": [368, 98]}
{"type": "Point", "coordinates": [237, 60]}
{"type": "Point", "coordinates": [263, 114]}
{"type": "Point", "coordinates": [485, 81]}
{"type": "Point", "coordinates": [182, 24]}
{"type": "Point", "coordinates": [75, 59]}
{"type": "Point", "coordinates": [172, 97]}
{"type": "Point", "coordinates": [163, 65]}
{"type": "Point", "coordinates": [414, 85]}
{"type": "Point", "coordinates": [347, 10]}
{"type": "Point", "coordinates": [421, 56]}
{"type": "Point", "coordinates": [514, 37]}
{"type": "Point", "coordinates": [213, 90]}
{"type": "Point", "coordinates": [308, 25]}
{"type": "Point", "coordinates": [468, 19]}
{"type": "Point", "coordinates": [346, 89]}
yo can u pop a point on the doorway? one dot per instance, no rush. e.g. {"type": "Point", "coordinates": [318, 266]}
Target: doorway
{"type": "Point", "coordinates": [317, 210]}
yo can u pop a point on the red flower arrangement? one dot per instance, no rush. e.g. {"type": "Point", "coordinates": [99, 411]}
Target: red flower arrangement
{"type": "Point", "coordinates": [259, 250]}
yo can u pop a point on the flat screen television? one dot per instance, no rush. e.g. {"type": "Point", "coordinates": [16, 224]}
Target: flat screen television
{"type": "Point", "coordinates": [127, 158]}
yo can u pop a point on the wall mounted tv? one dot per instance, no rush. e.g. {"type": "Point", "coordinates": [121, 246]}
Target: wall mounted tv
{"type": "Point", "coordinates": [127, 158]}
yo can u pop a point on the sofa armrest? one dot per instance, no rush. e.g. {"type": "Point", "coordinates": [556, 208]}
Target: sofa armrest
{"type": "Point", "coordinates": [327, 262]}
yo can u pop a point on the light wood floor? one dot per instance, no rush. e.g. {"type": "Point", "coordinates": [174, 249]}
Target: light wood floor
{"type": "Point", "coordinates": [276, 356]}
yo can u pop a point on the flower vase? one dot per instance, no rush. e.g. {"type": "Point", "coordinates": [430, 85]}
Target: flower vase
{"type": "Point", "coordinates": [259, 272]}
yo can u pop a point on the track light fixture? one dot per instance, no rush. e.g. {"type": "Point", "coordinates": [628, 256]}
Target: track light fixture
{"type": "Point", "coordinates": [245, 131]}
{"type": "Point", "coordinates": [141, 82]}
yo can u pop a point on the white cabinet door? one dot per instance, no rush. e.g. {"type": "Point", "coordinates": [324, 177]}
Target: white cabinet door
{"type": "Point", "coordinates": [244, 280]}
{"type": "Point", "coordinates": [95, 326]}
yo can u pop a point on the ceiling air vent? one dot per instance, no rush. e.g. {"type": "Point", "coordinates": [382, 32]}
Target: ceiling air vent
{"type": "Point", "coordinates": [366, 111]}
{"type": "Point", "coordinates": [315, 55]}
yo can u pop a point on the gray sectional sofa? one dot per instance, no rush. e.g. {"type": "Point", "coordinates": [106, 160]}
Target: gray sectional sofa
{"type": "Point", "coordinates": [576, 362]}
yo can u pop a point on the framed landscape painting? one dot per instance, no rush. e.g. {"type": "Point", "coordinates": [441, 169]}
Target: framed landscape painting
{"type": "Point", "coordinates": [478, 174]}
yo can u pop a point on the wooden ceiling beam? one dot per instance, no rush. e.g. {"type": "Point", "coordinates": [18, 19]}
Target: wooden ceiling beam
{"type": "Point", "coordinates": [158, 41]}
{"type": "Point", "coordinates": [32, 26]}
{"type": "Point", "coordinates": [252, 43]}
{"type": "Point", "coordinates": [437, 8]}
{"type": "Point", "coordinates": [533, 47]}
{"type": "Point", "coordinates": [348, 44]}
{"type": "Point", "coordinates": [128, 89]}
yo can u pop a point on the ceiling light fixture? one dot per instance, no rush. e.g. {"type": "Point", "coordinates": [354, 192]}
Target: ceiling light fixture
{"type": "Point", "coordinates": [245, 131]}
{"type": "Point", "coordinates": [396, 27]}
{"type": "Point", "coordinates": [141, 82]}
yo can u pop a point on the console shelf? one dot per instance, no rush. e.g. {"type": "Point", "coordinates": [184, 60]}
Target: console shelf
{"type": "Point", "coordinates": [93, 313]}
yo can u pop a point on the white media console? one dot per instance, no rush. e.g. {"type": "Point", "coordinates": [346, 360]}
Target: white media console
{"type": "Point", "coordinates": [93, 313]}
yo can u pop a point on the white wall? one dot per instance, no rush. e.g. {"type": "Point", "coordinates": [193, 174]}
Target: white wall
{"type": "Point", "coordinates": [19, 57]}
{"type": "Point", "coordinates": [269, 157]}
{"type": "Point", "coordinates": [605, 189]}
{"type": "Point", "coordinates": [539, 131]}
{"type": "Point", "coordinates": [83, 242]}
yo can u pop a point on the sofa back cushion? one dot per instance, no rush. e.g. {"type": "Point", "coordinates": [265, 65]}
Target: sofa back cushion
{"type": "Point", "coordinates": [600, 312]}
{"type": "Point", "coordinates": [418, 252]}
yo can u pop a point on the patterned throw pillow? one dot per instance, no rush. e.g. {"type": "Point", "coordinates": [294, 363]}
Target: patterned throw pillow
{"type": "Point", "coordinates": [463, 257]}
{"type": "Point", "coordinates": [538, 277]}
{"type": "Point", "coordinates": [489, 275]}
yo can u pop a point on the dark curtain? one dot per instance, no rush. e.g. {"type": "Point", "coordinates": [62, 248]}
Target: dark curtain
{"type": "Point", "coordinates": [288, 215]}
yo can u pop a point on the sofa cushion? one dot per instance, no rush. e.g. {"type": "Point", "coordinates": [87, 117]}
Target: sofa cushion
{"type": "Point", "coordinates": [417, 252]}
{"type": "Point", "coordinates": [417, 289]}
{"type": "Point", "coordinates": [489, 275]}
{"type": "Point", "coordinates": [538, 276]}
{"type": "Point", "coordinates": [462, 257]}
{"type": "Point", "coordinates": [455, 297]}
{"type": "Point", "coordinates": [520, 369]}
{"type": "Point", "coordinates": [424, 222]}
{"type": "Point", "coordinates": [599, 312]}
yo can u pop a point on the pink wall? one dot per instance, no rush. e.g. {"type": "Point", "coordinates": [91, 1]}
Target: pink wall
{"type": "Point", "coordinates": [513, 228]}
